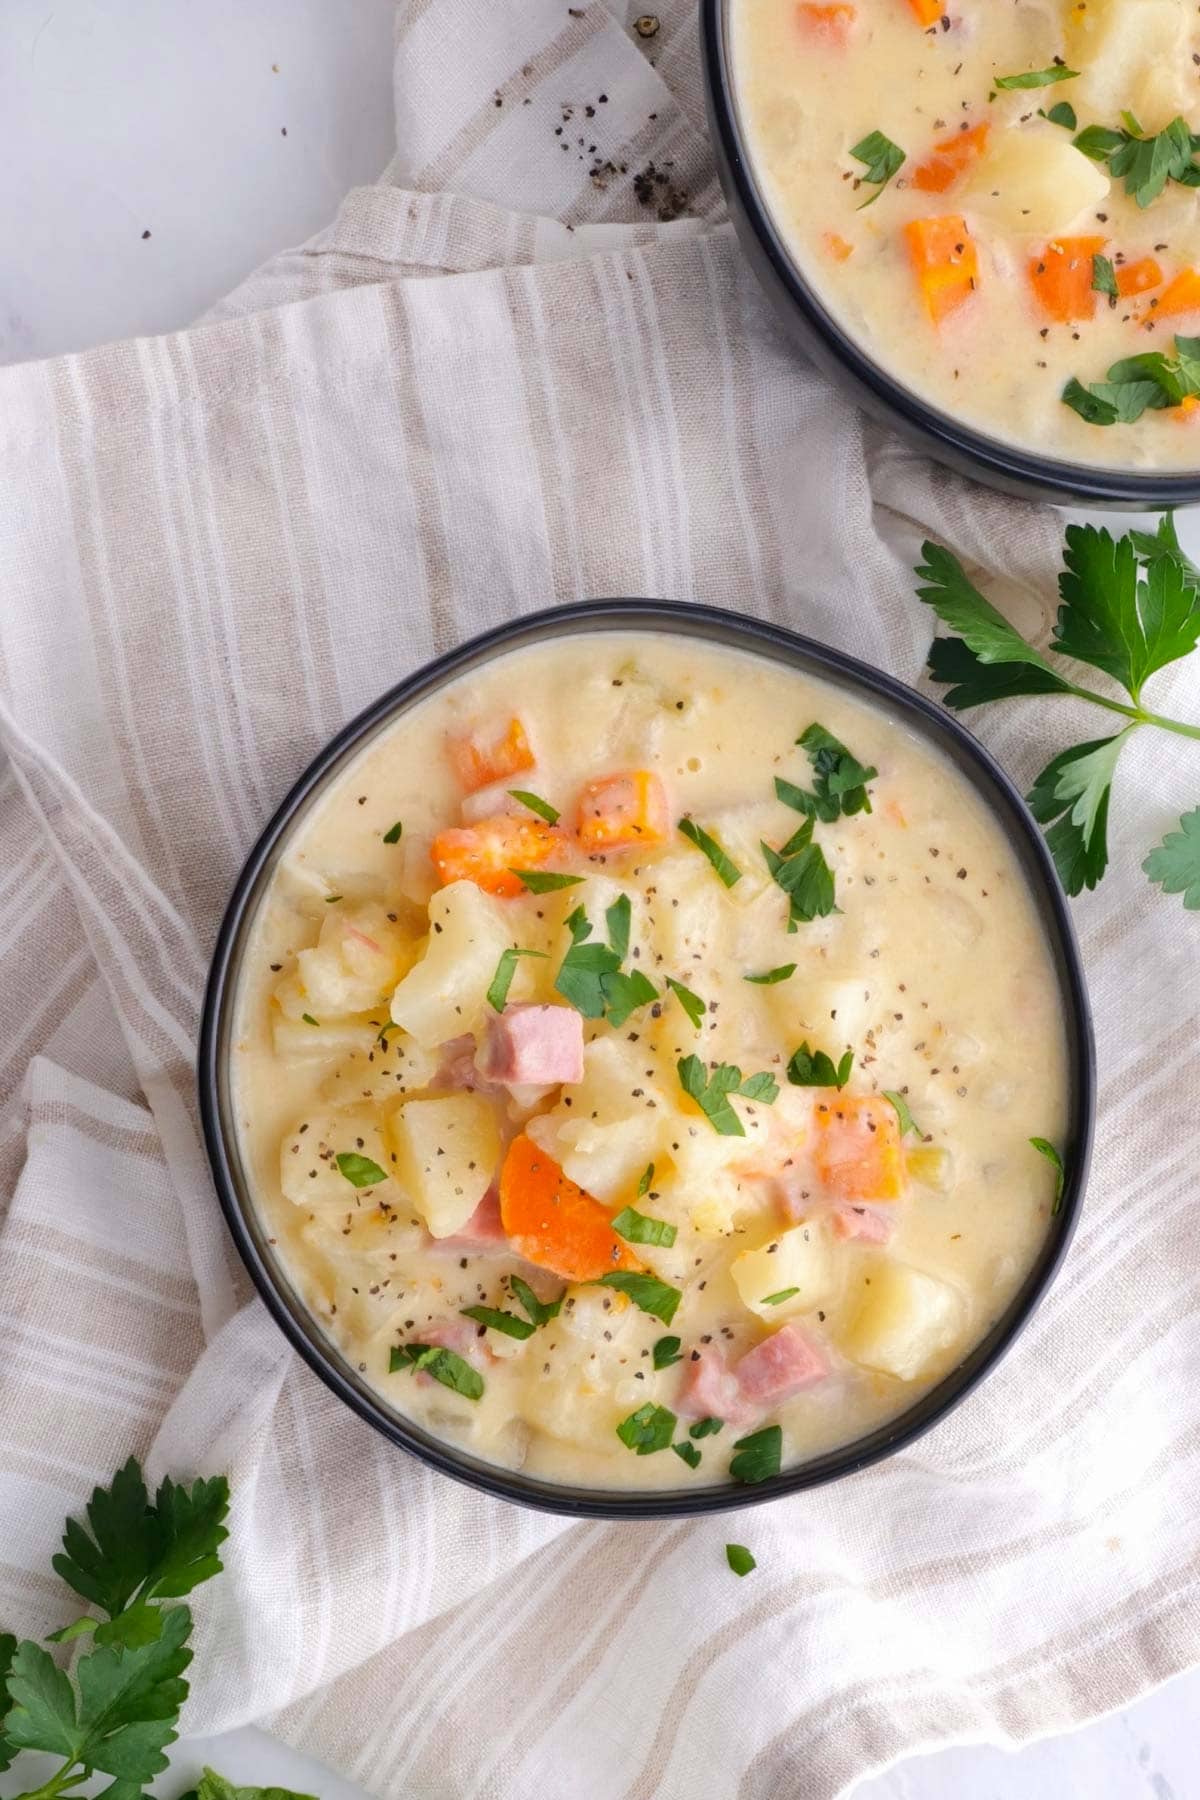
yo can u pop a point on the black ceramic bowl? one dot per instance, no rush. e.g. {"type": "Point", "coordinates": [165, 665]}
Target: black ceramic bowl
{"type": "Point", "coordinates": [817, 331]}
{"type": "Point", "coordinates": [216, 1107]}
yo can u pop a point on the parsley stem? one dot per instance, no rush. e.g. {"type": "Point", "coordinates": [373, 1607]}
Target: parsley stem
{"type": "Point", "coordinates": [58, 1783]}
{"type": "Point", "coordinates": [1138, 714]}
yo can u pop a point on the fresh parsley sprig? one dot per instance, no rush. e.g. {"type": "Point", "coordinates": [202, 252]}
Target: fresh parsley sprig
{"type": "Point", "coordinates": [1130, 606]}
{"type": "Point", "coordinates": [1149, 382]}
{"type": "Point", "coordinates": [1144, 163]}
{"type": "Point", "coordinates": [882, 159]}
{"type": "Point", "coordinates": [711, 1091]}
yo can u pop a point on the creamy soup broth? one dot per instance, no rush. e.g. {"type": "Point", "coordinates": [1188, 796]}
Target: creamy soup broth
{"type": "Point", "coordinates": [1009, 213]}
{"type": "Point", "coordinates": [827, 1266]}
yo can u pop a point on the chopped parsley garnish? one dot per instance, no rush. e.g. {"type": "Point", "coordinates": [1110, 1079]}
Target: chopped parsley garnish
{"type": "Point", "coordinates": [801, 871]}
{"type": "Point", "coordinates": [758, 1456]}
{"type": "Point", "coordinates": [783, 973]}
{"type": "Point", "coordinates": [545, 881]}
{"type": "Point", "coordinates": [444, 1365]}
{"type": "Point", "coordinates": [687, 1453]}
{"type": "Point", "coordinates": [813, 1068]}
{"type": "Point", "coordinates": [779, 1298]}
{"type": "Point", "coordinates": [591, 977]}
{"type": "Point", "coordinates": [638, 1228]}
{"type": "Point", "coordinates": [648, 1429]}
{"type": "Point", "coordinates": [724, 865]}
{"type": "Point", "coordinates": [1036, 78]}
{"type": "Point", "coordinates": [1046, 1149]}
{"type": "Point", "coordinates": [309, 1020]}
{"type": "Point", "coordinates": [648, 1293]}
{"type": "Point", "coordinates": [1062, 113]}
{"type": "Point", "coordinates": [1146, 164]}
{"type": "Point", "coordinates": [1150, 381]}
{"type": "Point", "coordinates": [1104, 278]}
{"type": "Point", "coordinates": [332, 899]}
{"type": "Point", "coordinates": [540, 1311]}
{"type": "Point", "coordinates": [395, 833]}
{"type": "Point", "coordinates": [666, 1352]}
{"type": "Point", "coordinates": [882, 159]}
{"type": "Point", "coordinates": [647, 1176]}
{"type": "Point", "coordinates": [691, 1003]}
{"type": "Point", "coordinates": [711, 1092]}
{"type": "Point", "coordinates": [739, 1559]}
{"type": "Point", "coordinates": [618, 918]}
{"type": "Point", "coordinates": [536, 804]}
{"type": "Point", "coordinates": [1175, 864]}
{"type": "Point", "coordinates": [839, 779]}
{"type": "Point", "coordinates": [359, 1171]}
{"type": "Point", "coordinates": [506, 1322]}
{"type": "Point", "coordinates": [706, 1427]}
{"type": "Point", "coordinates": [907, 1122]}
{"type": "Point", "coordinates": [506, 968]}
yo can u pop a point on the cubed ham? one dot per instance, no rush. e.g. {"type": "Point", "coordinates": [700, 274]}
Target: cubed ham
{"type": "Point", "coordinates": [710, 1390]}
{"type": "Point", "coordinates": [483, 1231]}
{"type": "Point", "coordinates": [458, 1070]}
{"type": "Point", "coordinates": [779, 1367]}
{"type": "Point", "coordinates": [533, 1046]}
{"type": "Point", "coordinates": [861, 1222]}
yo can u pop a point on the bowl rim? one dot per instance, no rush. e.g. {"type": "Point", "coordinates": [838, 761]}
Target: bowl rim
{"type": "Point", "coordinates": [939, 432]}
{"type": "Point", "coordinates": [785, 648]}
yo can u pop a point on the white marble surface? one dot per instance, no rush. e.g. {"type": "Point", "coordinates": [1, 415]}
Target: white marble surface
{"type": "Point", "coordinates": [227, 129]}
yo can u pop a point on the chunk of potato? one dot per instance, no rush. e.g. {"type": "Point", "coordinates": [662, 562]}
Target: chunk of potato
{"type": "Point", "coordinates": [445, 994]}
{"type": "Point", "coordinates": [607, 1134]}
{"type": "Point", "coordinates": [1133, 54]}
{"type": "Point", "coordinates": [357, 959]}
{"type": "Point", "coordinates": [798, 1259]}
{"type": "Point", "coordinates": [687, 913]}
{"type": "Point", "coordinates": [308, 1169]}
{"type": "Point", "coordinates": [387, 1068]}
{"type": "Point", "coordinates": [905, 1321]}
{"type": "Point", "coordinates": [1032, 179]}
{"type": "Point", "coordinates": [324, 1044]}
{"type": "Point", "coordinates": [591, 1348]}
{"type": "Point", "coordinates": [447, 1151]}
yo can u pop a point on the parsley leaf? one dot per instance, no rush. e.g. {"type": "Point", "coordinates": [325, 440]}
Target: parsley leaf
{"type": "Point", "coordinates": [1175, 864]}
{"type": "Point", "coordinates": [590, 976]}
{"type": "Point", "coordinates": [545, 881]}
{"type": "Point", "coordinates": [1045, 1148]}
{"type": "Point", "coordinates": [666, 1352]}
{"type": "Point", "coordinates": [395, 833]}
{"type": "Point", "coordinates": [648, 1293]}
{"type": "Point", "coordinates": [1127, 626]}
{"type": "Point", "coordinates": [739, 1559]}
{"type": "Point", "coordinates": [975, 682]}
{"type": "Point", "coordinates": [1036, 78]}
{"type": "Point", "coordinates": [960, 605]}
{"type": "Point", "coordinates": [623, 994]}
{"type": "Point", "coordinates": [215, 1787]}
{"type": "Point", "coordinates": [805, 878]}
{"type": "Point", "coordinates": [759, 1456]}
{"type": "Point", "coordinates": [882, 159]}
{"type": "Point", "coordinates": [536, 804]}
{"type": "Point", "coordinates": [837, 775]}
{"type": "Point", "coordinates": [711, 1092]}
{"type": "Point", "coordinates": [812, 1068]}
{"type": "Point", "coordinates": [309, 1020]}
{"type": "Point", "coordinates": [1071, 796]}
{"type": "Point", "coordinates": [618, 918]}
{"type": "Point", "coordinates": [359, 1171]}
{"type": "Point", "coordinates": [687, 1453]}
{"type": "Point", "coordinates": [648, 1429]}
{"type": "Point", "coordinates": [907, 1122]}
{"type": "Point", "coordinates": [639, 1228]}
{"type": "Point", "coordinates": [506, 1322]}
{"type": "Point", "coordinates": [1062, 113]}
{"type": "Point", "coordinates": [724, 865]}
{"type": "Point", "coordinates": [8, 1645]}
{"type": "Point", "coordinates": [769, 979]}
{"type": "Point", "coordinates": [647, 1176]}
{"type": "Point", "coordinates": [128, 1703]}
{"type": "Point", "coordinates": [135, 1548]}
{"type": "Point", "coordinates": [1146, 164]}
{"type": "Point", "coordinates": [444, 1365]}
{"type": "Point", "coordinates": [691, 1003]}
{"type": "Point", "coordinates": [540, 1311]}
{"type": "Point", "coordinates": [779, 1298]}
{"type": "Point", "coordinates": [706, 1427]}
{"type": "Point", "coordinates": [506, 968]}
{"type": "Point", "coordinates": [1104, 278]}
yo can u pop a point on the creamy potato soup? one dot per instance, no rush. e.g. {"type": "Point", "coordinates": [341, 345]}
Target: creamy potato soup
{"type": "Point", "coordinates": [636, 1060]}
{"type": "Point", "coordinates": [998, 202]}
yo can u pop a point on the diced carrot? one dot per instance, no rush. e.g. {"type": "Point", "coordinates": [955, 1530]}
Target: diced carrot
{"type": "Point", "coordinates": [857, 1153]}
{"type": "Point", "coordinates": [945, 261]}
{"type": "Point", "coordinates": [837, 246]}
{"type": "Point", "coordinates": [479, 760]}
{"type": "Point", "coordinates": [488, 852]}
{"type": "Point", "coordinates": [1138, 277]}
{"type": "Point", "coordinates": [1061, 278]}
{"type": "Point", "coordinates": [1185, 412]}
{"type": "Point", "coordinates": [926, 12]}
{"type": "Point", "coordinates": [1181, 295]}
{"type": "Point", "coordinates": [833, 24]}
{"type": "Point", "coordinates": [618, 810]}
{"type": "Point", "coordinates": [950, 159]}
{"type": "Point", "coordinates": [552, 1222]}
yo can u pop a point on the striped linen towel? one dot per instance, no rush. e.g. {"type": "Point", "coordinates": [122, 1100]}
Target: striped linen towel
{"type": "Point", "coordinates": [497, 380]}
